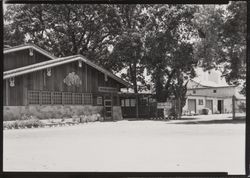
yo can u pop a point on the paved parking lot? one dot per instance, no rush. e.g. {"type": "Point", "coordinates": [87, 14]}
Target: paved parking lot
{"type": "Point", "coordinates": [148, 146]}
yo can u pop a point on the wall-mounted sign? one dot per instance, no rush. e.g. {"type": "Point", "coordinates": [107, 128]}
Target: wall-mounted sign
{"type": "Point", "coordinates": [72, 79]}
{"type": "Point", "coordinates": [166, 105]}
{"type": "Point", "coordinates": [107, 89]}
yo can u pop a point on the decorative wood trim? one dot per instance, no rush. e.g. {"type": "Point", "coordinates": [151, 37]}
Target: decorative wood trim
{"type": "Point", "coordinates": [57, 62]}
{"type": "Point", "coordinates": [31, 52]}
{"type": "Point", "coordinates": [28, 46]}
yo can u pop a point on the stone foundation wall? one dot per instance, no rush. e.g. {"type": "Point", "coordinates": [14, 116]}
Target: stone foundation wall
{"type": "Point", "coordinates": [51, 111]}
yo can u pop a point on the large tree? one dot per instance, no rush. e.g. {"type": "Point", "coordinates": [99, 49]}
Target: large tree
{"type": "Point", "coordinates": [128, 49]}
{"type": "Point", "coordinates": [223, 39]}
{"type": "Point", "coordinates": [169, 51]}
{"type": "Point", "coordinates": [65, 29]}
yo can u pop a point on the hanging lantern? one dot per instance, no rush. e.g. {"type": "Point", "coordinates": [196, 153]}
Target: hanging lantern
{"type": "Point", "coordinates": [31, 51]}
{"type": "Point", "coordinates": [49, 72]}
{"type": "Point", "coordinates": [80, 63]}
{"type": "Point", "coordinates": [106, 78]}
{"type": "Point", "coordinates": [12, 82]}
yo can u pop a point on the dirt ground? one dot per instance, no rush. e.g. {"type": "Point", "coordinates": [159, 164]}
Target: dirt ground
{"type": "Point", "coordinates": [197, 143]}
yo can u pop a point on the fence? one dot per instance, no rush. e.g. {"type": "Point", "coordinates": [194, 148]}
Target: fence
{"type": "Point", "coordinates": [238, 108]}
{"type": "Point", "coordinates": [59, 98]}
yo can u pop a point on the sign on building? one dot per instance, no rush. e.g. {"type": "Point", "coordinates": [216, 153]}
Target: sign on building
{"type": "Point", "coordinates": [107, 89]}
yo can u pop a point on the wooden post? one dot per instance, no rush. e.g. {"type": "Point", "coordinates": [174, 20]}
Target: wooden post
{"type": "Point", "coordinates": [73, 97]}
{"type": "Point", "coordinates": [179, 104]}
{"type": "Point", "coordinates": [137, 111]}
{"type": "Point", "coordinates": [40, 97]}
{"type": "Point", "coordinates": [86, 78]}
{"type": "Point", "coordinates": [51, 97]}
{"type": "Point", "coordinates": [7, 92]}
{"type": "Point", "coordinates": [233, 106]}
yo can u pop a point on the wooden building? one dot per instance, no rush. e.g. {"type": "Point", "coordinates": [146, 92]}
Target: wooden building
{"type": "Point", "coordinates": [146, 107]}
{"type": "Point", "coordinates": [34, 77]}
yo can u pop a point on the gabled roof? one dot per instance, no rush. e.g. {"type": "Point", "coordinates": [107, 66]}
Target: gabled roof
{"type": "Point", "coordinates": [52, 63]}
{"type": "Point", "coordinates": [208, 84]}
{"type": "Point", "coordinates": [28, 46]}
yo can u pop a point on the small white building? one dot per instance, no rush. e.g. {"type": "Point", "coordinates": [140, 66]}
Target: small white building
{"type": "Point", "coordinates": [217, 99]}
{"type": "Point", "coordinates": [210, 91]}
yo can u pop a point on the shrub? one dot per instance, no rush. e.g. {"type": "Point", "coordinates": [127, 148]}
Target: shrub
{"type": "Point", "coordinates": [216, 112]}
{"type": "Point", "coordinates": [205, 111]}
{"type": "Point", "coordinates": [24, 123]}
{"type": "Point", "coordinates": [242, 107]}
{"type": "Point", "coordinates": [90, 118]}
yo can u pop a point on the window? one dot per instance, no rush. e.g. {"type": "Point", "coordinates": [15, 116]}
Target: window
{"type": "Point", "coordinates": [127, 103]}
{"type": "Point", "coordinates": [194, 91]}
{"type": "Point", "coordinates": [68, 98]}
{"type": "Point", "coordinates": [122, 103]}
{"type": "Point", "coordinates": [33, 97]}
{"type": "Point", "coordinates": [78, 98]}
{"type": "Point", "coordinates": [87, 98]}
{"type": "Point", "coordinates": [99, 100]}
{"type": "Point", "coordinates": [200, 101]}
{"type": "Point", "coordinates": [57, 98]}
{"type": "Point", "coordinates": [132, 102]}
{"type": "Point", "coordinates": [214, 91]}
{"type": "Point", "coordinates": [46, 97]}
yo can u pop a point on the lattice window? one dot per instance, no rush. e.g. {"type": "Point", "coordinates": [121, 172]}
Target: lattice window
{"type": "Point", "coordinates": [87, 98]}
{"type": "Point", "coordinates": [33, 97]}
{"type": "Point", "coordinates": [46, 97]}
{"type": "Point", "coordinates": [67, 98]}
{"type": "Point", "coordinates": [78, 98]}
{"type": "Point", "coordinates": [57, 98]}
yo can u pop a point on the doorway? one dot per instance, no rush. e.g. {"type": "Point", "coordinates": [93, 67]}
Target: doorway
{"type": "Point", "coordinates": [209, 105]}
{"type": "Point", "coordinates": [192, 105]}
{"type": "Point", "coordinates": [108, 107]}
{"type": "Point", "coordinates": [220, 106]}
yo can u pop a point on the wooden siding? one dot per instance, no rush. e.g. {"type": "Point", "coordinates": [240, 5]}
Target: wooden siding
{"type": "Point", "coordinates": [40, 81]}
{"type": "Point", "coordinates": [22, 58]}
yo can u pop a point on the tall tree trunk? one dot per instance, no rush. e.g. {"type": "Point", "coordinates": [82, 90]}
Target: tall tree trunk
{"type": "Point", "coordinates": [134, 77]}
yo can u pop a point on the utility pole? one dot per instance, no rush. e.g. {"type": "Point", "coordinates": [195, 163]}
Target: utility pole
{"type": "Point", "coordinates": [233, 106]}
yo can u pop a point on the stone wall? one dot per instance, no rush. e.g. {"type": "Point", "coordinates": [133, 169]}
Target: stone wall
{"type": "Point", "coordinates": [51, 111]}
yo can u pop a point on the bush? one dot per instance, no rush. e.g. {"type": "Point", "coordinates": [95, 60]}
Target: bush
{"type": "Point", "coordinates": [90, 118]}
{"type": "Point", "coordinates": [216, 112]}
{"type": "Point", "coordinates": [29, 123]}
{"type": "Point", "coordinates": [205, 111]}
{"type": "Point", "coordinates": [242, 107]}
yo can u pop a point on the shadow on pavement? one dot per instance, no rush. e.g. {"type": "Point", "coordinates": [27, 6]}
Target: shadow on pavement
{"type": "Point", "coordinates": [225, 121]}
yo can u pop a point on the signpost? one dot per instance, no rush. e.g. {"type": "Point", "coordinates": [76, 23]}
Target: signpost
{"type": "Point", "coordinates": [166, 106]}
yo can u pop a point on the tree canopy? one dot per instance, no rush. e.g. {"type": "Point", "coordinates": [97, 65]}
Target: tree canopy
{"type": "Point", "coordinates": [167, 40]}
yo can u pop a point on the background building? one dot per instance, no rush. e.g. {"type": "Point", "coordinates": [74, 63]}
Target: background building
{"type": "Point", "coordinates": [210, 90]}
